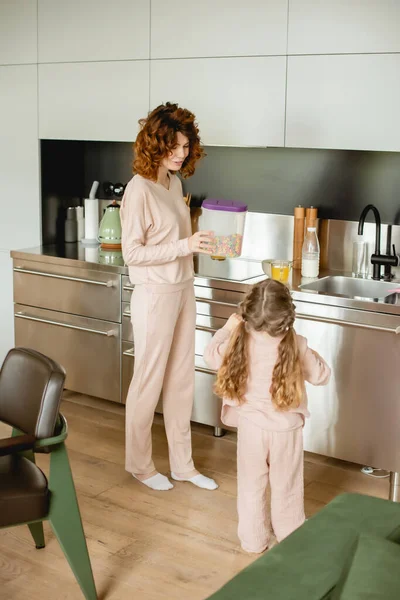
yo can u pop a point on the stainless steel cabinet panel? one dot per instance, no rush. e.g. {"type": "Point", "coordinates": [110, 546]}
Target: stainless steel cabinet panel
{"type": "Point", "coordinates": [211, 308]}
{"type": "Point", "coordinates": [127, 289]}
{"type": "Point", "coordinates": [127, 331]}
{"type": "Point", "coordinates": [83, 292]}
{"type": "Point", "coordinates": [88, 349]}
{"type": "Point", "coordinates": [356, 416]}
{"type": "Point", "coordinates": [226, 296]}
{"type": "Point", "coordinates": [203, 338]}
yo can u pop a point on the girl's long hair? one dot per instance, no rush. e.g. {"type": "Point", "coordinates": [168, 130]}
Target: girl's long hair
{"type": "Point", "coordinates": [267, 307]}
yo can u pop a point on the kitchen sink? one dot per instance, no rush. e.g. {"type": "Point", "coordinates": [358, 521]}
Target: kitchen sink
{"type": "Point", "coordinates": [351, 287]}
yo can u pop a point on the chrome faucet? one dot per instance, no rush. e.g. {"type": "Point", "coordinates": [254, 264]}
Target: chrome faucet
{"type": "Point", "coordinates": [377, 259]}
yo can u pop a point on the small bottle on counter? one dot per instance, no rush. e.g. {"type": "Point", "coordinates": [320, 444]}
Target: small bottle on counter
{"type": "Point", "coordinates": [71, 225]}
{"type": "Point", "coordinates": [310, 254]}
{"type": "Point", "coordinates": [80, 223]}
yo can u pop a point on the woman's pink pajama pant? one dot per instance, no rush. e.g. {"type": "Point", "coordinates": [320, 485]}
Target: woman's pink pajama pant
{"type": "Point", "coordinates": [276, 456]}
{"type": "Point", "coordinates": [164, 321]}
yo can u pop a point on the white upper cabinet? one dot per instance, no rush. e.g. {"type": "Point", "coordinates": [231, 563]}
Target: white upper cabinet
{"type": "Point", "coordinates": [19, 158]}
{"type": "Point", "coordinates": [18, 32]}
{"type": "Point", "coordinates": [218, 28]}
{"type": "Point", "coordinates": [93, 30]}
{"type": "Point", "coordinates": [93, 100]}
{"type": "Point", "coordinates": [343, 26]}
{"type": "Point", "coordinates": [237, 101]}
{"type": "Point", "coordinates": [344, 102]}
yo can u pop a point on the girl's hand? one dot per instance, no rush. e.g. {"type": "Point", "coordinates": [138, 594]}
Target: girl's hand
{"type": "Point", "coordinates": [202, 241]}
{"type": "Point", "coordinates": [233, 322]}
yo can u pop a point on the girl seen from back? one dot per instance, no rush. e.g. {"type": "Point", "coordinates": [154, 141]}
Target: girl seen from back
{"type": "Point", "coordinates": [262, 365]}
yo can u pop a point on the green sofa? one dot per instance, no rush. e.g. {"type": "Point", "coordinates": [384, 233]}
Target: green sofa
{"type": "Point", "coordinates": [350, 550]}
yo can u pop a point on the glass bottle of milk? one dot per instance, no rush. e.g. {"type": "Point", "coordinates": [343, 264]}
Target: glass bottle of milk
{"type": "Point", "coordinates": [310, 254]}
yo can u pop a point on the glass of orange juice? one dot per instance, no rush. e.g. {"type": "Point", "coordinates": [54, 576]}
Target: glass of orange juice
{"type": "Point", "coordinates": [277, 269]}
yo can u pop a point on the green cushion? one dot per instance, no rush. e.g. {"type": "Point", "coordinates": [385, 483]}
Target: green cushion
{"type": "Point", "coordinates": [374, 573]}
{"type": "Point", "coordinates": [308, 564]}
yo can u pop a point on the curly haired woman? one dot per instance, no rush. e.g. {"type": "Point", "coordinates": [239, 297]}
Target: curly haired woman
{"type": "Point", "coordinates": [262, 365]}
{"type": "Point", "coordinates": [157, 245]}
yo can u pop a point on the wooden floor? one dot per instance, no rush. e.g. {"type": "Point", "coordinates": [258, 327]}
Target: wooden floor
{"type": "Point", "coordinates": [147, 545]}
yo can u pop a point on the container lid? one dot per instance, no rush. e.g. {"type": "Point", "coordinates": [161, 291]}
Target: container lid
{"type": "Point", "coordinates": [226, 205]}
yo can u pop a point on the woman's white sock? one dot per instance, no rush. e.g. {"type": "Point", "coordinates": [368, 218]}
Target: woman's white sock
{"type": "Point", "coordinates": [201, 481]}
{"type": "Point", "coordinates": [157, 482]}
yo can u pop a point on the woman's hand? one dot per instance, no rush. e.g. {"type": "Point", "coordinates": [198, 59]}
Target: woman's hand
{"type": "Point", "coordinates": [202, 241]}
{"type": "Point", "coordinates": [233, 322]}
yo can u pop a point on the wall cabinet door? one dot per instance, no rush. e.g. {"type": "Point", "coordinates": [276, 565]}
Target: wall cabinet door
{"type": "Point", "coordinates": [19, 157]}
{"type": "Point", "coordinates": [344, 102]}
{"type": "Point", "coordinates": [93, 30]}
{"type": "Point", "coordinates": [218, 28]}
{"type": "Point", "coordinates": [19, 166]}
{"type": "Point", "coordinates": [93, 101]}
{"type": "Point", "coordinates": [237, 101]}
{"type": "Point", "coordinates": [18, 32]}
{"type": "Point", "coordinates": [340, 26]}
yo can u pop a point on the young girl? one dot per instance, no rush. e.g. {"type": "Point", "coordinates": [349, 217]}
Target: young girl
{"type": "Point", "coordinates": [262, 365]}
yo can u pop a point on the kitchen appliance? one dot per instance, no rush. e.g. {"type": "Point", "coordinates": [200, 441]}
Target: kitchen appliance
{"type": "Point", "coordinates": [110, 230]}
{"type": "Point", "coordinates": [226, 218]}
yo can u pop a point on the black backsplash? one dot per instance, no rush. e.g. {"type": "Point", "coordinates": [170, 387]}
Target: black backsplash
{"type": "Point", "coordinates": [274, 180]}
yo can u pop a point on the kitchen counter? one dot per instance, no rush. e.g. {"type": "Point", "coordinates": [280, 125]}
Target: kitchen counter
{"type": "Point", "coordinates": [235, 274]}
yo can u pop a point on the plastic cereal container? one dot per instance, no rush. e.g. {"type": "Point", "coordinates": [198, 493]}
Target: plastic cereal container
{"type": "Point", "coordinates": [226, 218]}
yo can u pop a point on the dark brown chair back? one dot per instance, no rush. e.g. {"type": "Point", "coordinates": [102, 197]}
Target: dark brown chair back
{"type": "Point", "coordinates": [31, 387]}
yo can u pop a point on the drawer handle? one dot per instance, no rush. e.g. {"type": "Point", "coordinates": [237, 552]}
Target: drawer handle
{"type": "Point", "coordinates": [203, 370]}
{"type": "Point", "coordinates": [127, 313]}
{"type": "Point", "coordinates": [20, 315]}
{"type": "Point", "coordinates": [348, 323]}
{"type": "Point", "coordinates": [204, 328]}
{"type": "Point", "coordinates": [108, 284]}
{"type": "Point", "coordinates": [129, 288]}
{"type": "Point", "coordinates": [130, 352]}
{"type": "Point", "coordinates": [218, 302]}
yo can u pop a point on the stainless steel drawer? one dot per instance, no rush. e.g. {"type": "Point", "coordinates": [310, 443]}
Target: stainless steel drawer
{"type": "Point", "coordinates": [224, 296]}
{"type": "Point", "coordinates": [88, 349]}
{"type": "Point", "coordinates": [127, 332]}
{"type": "Point", "coordinates": [94, 294]}
{"type": "Point", "coordinates": [127, 289]}
{"type": "Point", "coordinates": [212, 308]}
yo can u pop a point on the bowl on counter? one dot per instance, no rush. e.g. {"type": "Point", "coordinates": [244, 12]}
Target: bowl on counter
{"type": "Point", "coordinates": [278, 269]}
